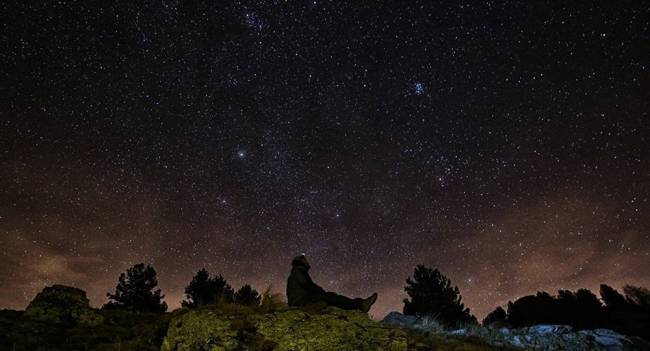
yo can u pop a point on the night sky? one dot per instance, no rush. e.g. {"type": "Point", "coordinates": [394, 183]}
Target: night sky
{"type": "Point", "coordinates": [505, 142]}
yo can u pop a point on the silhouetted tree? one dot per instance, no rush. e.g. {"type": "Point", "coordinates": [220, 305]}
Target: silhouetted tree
{"type": "Point", "coordinates": [136, 291]}
{"type": "Point", "coordinates": [496, 317]}
{"type": "Point", "coordinates": [581, 309]}
{"type": "Point", "coordinates": [612, 298]}
{"type": "Point", "coordinates": [626, 314]}
{"type": "Point", "coordinates": [206, 290]}
{"type": "Point", "coordinates": [564, 307]}
{"type": "Point", "coordinates": [629, 314]}
{"type": "Point", "coordinates": [532, 309]}
{"type": "Point", "coordinates": [588, 311]}
{"type": "Point", "coordinates": [638, 296]}
{"type": "Point", "coordinates": [634, 317]}
{"type": "Point", "coordinates": [431, 293]}
{"type": "Point", "coordinates": [248, 296]}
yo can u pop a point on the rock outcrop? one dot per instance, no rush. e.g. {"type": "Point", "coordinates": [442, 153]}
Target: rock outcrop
{"type": "Point", "coordinates": [290, 329]}
{"type": "Point", "coordinates": [554, 337]}
{"type": "Point", "coordinates": [537, 337]}
{"type": "Point", "coordinates": [232, 327]}
{"type": "Point", "coordinates": [414, 323]}
{"type": "Point", "coordinates": [60, 304]}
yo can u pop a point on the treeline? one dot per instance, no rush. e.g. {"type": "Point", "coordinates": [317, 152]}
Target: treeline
{"type": "Point", "coordinates": [430, 294]}
{"type": "Point", "coordinates": [137, 290]}
{"type": "Point", "coordinates": [627, 313]}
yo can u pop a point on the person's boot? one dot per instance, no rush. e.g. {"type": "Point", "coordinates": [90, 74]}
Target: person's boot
{"type": "Point", "coordinates": [368, 302]}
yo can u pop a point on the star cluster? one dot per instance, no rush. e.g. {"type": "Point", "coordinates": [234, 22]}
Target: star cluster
{"type": "Point", "coordinates": [505, 142]}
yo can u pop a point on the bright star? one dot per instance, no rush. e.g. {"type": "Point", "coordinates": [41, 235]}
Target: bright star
{"type": "Point", "coordinates": [419, 88]}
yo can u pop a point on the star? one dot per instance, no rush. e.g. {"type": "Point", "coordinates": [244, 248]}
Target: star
{"type": "Point", "coordinates": [370, 137]}
{"type": "Point", "coordinates": [418, 88]}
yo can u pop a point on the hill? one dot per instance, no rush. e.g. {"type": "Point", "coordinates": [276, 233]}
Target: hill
{"type": "Point", "coordinates": [59, 318]}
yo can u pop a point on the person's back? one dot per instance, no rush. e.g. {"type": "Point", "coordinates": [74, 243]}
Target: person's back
{"type": "Point", "coordinates": [300, 287]}
{"type": "Point", "coordinates": [301, 290]}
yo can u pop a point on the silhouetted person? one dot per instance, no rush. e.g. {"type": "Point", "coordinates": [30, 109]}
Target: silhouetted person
{"type": "Point", "coordinates": [301, 290]}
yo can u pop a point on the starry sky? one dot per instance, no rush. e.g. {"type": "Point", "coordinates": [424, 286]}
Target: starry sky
{"type": "Point", "coordinates": [505, 142]}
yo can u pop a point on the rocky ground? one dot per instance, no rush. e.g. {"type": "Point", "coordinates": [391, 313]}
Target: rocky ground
{"type": "Point", "coordinates": [538, 337]}
{"type": "Point", "coordinates": [238, 328]}
{"type": "Point", "coordinates": [59, 318]}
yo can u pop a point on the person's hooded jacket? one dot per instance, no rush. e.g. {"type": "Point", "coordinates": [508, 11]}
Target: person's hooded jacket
{"type": "Point", "coordinates": [301, 290]}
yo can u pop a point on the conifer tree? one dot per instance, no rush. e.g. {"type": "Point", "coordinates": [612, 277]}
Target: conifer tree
{"type": "Point", "coordinates": [206, 290]}
{"type": "Point", "coordinates": [137, 291]}
{"type": "Point", "coordinates": [248, 296]}
{"type": "Point", "coordinates": [431, 294]}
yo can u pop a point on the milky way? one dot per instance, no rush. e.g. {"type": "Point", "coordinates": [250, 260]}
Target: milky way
{"type": "Point", "coordinates": [506, 143]}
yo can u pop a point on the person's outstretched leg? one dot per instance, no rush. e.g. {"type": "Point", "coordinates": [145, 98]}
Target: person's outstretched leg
{"type": "Point", "coordinates": [340, 301]}
{"type": "Point", "coordinates": [346, 303]}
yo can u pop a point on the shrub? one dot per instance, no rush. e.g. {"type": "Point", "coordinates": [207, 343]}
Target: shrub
{"type": "Point", "coordinates": [272, 302]}
{"type": "Point", "coordinates": [248, 296]}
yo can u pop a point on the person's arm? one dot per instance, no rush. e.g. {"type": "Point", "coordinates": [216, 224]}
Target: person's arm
{"type": "Point", "coordinates": [306, 283]}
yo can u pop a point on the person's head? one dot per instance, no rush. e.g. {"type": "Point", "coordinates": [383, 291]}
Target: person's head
{"type": "Point", "coordinates": [300, 260]}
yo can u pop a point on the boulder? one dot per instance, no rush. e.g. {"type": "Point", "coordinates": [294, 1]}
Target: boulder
{"type": "Point", "coordinates": [563, 337]}
{"type": "Point", "coordinates": [608, 339]}
{"type": "Point", "coordinates": [549, 329]}
{"type": "Point", "coordinates": [400, 320]}
{"type": "Point", "coordinates": [459, 332]}
{"type": "Point", "coordinates": [397, 319]}
{"type": "Point", "coordinates": [60, 304]}
{"type": "Point", "coordinates": [504, 330]}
